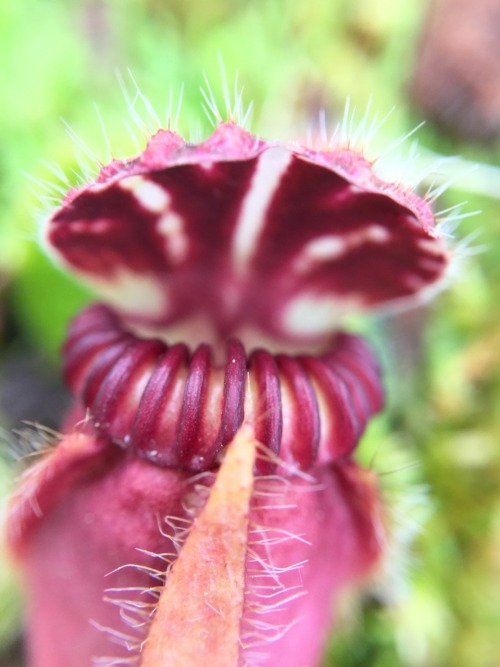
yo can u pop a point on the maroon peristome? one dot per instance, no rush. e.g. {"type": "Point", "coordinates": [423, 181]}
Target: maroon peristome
{"type": "Point", "coordinates": [238, 234]}
{"type": "Point", "coordinates": [223, 268]}
{"type": "Point", "coordinates": [180, 409]}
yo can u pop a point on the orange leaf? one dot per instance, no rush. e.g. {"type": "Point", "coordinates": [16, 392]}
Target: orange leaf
{"type": "Point", "coordinates": [197, 621]}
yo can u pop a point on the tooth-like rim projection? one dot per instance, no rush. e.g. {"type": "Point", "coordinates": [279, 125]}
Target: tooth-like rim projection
{"type": "Point", "coordinates": [242, 234]}
{"type": "Point", "coordinates": [179, 409]}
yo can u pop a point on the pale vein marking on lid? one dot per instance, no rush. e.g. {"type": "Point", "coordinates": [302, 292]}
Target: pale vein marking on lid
{"type": "Point", "coordinates": [413, 282]}
{"type": "Point", "coordinates": [271, 167]}
{"type": "Point", "coordinates": [171, 227]}
{"type": "Point", "coordinates": [329, 247]}
{"type": "Point", "coordinates": [95, 226]}
{"type": "Point", "coordinates": [310, 314]}
{"type": "Point", "coordinates": [154, 198]}
{"type": "Point", "coordinates": [433, 246]}
{"type": "Point", "coordinates": [430, 264]}
{"type": "Point", "coordinates": [130, 292]}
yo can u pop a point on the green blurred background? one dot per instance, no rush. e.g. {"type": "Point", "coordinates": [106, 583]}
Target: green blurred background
{"type": "Point", "coordinates": [436, 447]}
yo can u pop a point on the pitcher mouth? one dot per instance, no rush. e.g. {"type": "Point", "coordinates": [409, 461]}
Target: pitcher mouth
{"type": "Point", "coordinates": [179, 408]}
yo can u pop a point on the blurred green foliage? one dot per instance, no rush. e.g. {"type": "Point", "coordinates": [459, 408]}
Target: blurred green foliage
{"type": "Point", "coordinates": [437, 445]}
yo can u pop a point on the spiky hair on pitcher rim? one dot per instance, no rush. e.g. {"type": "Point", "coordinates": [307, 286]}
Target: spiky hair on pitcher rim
{"type": "Point", "coordinates": [356, 129]}
{"type": "Point", "coordinates": [339, 159]}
